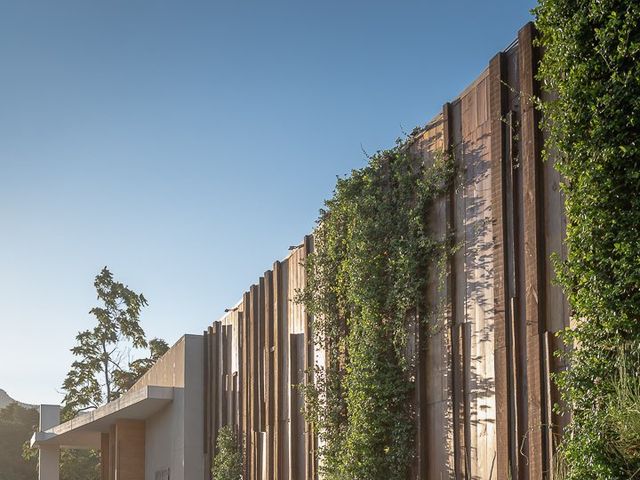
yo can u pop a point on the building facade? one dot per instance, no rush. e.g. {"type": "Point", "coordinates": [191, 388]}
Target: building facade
{"type": "Point", "coordinates": [153, 432]}
{"type": "Point", "coordinates": [483, 392]}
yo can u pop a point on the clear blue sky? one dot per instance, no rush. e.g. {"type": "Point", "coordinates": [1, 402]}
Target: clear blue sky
{"type": "Point", "coordinates": [187, 144]}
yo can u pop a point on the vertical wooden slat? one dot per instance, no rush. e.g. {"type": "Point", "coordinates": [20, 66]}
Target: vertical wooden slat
{"type": "Point", "coordinates": [456, 380]}
{"type": "Point", "coordinates": [534, 255]}
{"type": "Point", "coordinates": [497, 107]}
{"type": "Point", "coordinates": [104, 456]}
{"type": "Point", "coordinates": [210, 383]}
{"type": "Point", "coordinates": [269, 368]}
{"type": "Point", "coordinates": [464, 347]}
{"type": "Point", "coordinates": [224, 377]}
{"type": "Point", "coordinates": [219, 379]}
{"type": "Point", "coordinates": [207, 397]}
{"type": "Point", "coordinates": [240, 406]}
{"type": "Point", "coordinates": [234, 402]}
{"type": "Point", "coordinates": [229, 352]}
{"type": "Point", "coordinates": [213, 379]}
{"type": "Point", "coordinates": [237, 379]}
{"type": "Point", "coordinates": [208, 439]}
{"type": "Point", "coordinates": [255, 465]}
{"type": "Point", "coordinates": [309, 354]}
{"type": "Point", "coordinates": [260, 357]}
{"type": "Point", "coordinates": [514, 314]}
{"type": "Point", "coordinates": [258, 309]}
{"type": "Point", "coordinates": [278, 366]}
{"type": "Point", "coordinates": [246, 382]}
{"type": "Point", "coordinates": [254, 419]}
{"type": "Point", "coordinates": [296, 439]}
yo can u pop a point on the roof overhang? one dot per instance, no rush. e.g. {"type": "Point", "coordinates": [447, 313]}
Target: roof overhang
{"type": "Point", "coordinates": [84, 430]}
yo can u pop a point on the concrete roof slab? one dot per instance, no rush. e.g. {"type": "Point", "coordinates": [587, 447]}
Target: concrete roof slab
{"type": "Point", "coordinates": [84, 430]}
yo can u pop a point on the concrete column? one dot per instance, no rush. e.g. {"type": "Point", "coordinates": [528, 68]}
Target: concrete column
{"type": "Point", "coordinates": [49, 456]}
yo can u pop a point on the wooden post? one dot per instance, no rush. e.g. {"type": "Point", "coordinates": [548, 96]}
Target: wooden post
{"type": "Point", "coordinates": [309, 360]}
{"type": "Point", "coordinates": [246, 379]}
{"type": "Point", "coordinates": [254, 412]}
{"type": "Point", "coordinates": [214, 334]}
{"type": "Point", "coordinates": [104, 456]}
{"type": "Point", "coordinates": [206, 403]}
{"type": "Point", "coordinates": [497, 107]}
{"type": "Point", "coordinates": [278, 442]}
{"type": "Point", "coordinates": [534, 264]}
{"type": "Point", "coordinates": [268, 371]}
{"type": "Point", "coordinates": [260, 357]}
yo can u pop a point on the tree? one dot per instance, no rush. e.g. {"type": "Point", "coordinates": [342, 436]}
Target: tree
{"type": "Point", "coordinates": [102, 371]}
{"type": "Point", "coordinates": [79, 464]}
{"type": "Point", "coordinates": [16, 426]}
{"type": "Point", "coordinates": [137, 368]}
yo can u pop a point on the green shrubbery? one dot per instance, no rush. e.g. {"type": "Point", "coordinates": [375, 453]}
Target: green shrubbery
{"type": "Point", "coordinates": [366, 286]}
{"type": "Point", "coordinates": [227, 464]}
{"type": "Point", "coordinates": [591, 63]}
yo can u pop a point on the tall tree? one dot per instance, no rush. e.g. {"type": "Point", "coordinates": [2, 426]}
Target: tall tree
{"type": "Point", "coordinates": [103, 369]}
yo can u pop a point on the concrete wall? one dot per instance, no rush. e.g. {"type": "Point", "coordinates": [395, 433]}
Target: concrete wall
{"type": "Point", "coordinates": [174, 436]}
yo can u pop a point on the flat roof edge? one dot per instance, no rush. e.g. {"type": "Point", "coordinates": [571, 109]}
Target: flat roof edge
{"type": "Point", "coordinates": [131, 398]}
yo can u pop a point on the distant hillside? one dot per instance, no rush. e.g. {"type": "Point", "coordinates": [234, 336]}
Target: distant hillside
{"type": "Point", "coordinates": [5, 400]}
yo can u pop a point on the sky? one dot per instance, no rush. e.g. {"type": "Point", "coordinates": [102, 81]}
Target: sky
{"type": "Point", "coordinates": [186, 145]}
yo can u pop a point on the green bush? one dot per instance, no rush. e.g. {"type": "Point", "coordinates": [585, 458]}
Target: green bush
{"type": "Point", "coordinates": [621, 422]}
{"type": "Point", "coordinates": [591, 65]}
{"type": "Point", "coordinates": [366, 287]}
{"type": "Point", "coordinates": [227, 463]}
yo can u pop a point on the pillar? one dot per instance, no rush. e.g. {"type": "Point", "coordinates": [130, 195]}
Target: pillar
{"type": "Point", "coordinates": [49, 455]}
{"type": "Point", "coordinates": [129, 450]}
{"type": "Point", "coordinates": [104, 456]}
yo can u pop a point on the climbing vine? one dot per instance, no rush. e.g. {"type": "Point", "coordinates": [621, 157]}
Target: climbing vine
{"type": "Point", "coordinates": [591, 65]}
{"type": "Point", "coordinates": [366, 289]}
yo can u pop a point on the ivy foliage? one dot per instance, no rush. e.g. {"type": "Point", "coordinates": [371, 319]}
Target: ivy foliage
{"type": "Point", "coordinates": [366, 289]}
{"type": "Point", "coordinates": [227, 463]}
{"type": "Point", "coordinates": [591, 64]}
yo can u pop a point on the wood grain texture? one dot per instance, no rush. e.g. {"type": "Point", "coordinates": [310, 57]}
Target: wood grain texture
{"type": "Point", "coordinates": [534, 265]}
{"type": "Point", "coordinates": [278, 368]}
{"type": "Point", "coordinates": [497, 103]}
{"type": "Point", "coordinates": [245, 378]}
{"type": "Point", "coordinates": [129, 449]}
